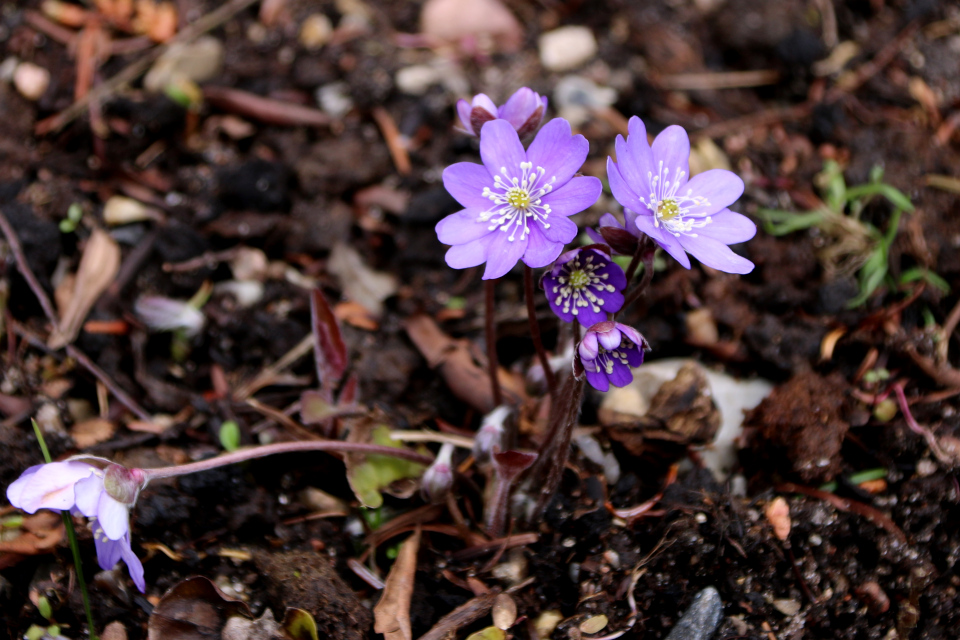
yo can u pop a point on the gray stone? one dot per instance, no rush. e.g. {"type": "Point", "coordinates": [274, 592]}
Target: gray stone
{"type": "Point", "coordinates": [701, 619]}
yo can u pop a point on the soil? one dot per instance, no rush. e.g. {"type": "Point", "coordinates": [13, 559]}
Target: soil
{"type": "Point", "coordinates": [864, 559]}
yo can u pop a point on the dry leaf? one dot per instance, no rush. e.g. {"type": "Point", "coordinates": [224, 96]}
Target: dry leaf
{"type": "Point", "coordinates": [93, 431]}
{"type": "Point", "coordinates": [98, 267]}
{"type": "Point", "coordinates": [360, 283]}
{"type": "Point", "coordinates": [114, 631]}
{"type": "Point", "coordinates": [392, 613]}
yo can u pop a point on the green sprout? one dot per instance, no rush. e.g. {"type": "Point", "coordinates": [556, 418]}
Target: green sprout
{"type": "Point", "coordinates": [74, 213]}
{"type": "Point", "coordinates": [854, 245]}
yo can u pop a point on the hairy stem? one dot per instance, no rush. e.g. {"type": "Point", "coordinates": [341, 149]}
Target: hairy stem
{"type": "Point", "coordinates": [285, 447]}
{"type": "Point", "coordinates": [646, 251]}
{"type": "Point", "coordinates": [528, 291]}
{"type": "Point", "coordinates": [490, 330]}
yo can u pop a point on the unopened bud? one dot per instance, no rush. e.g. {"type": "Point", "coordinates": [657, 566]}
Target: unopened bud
{"type": "Point", "coordinates": [490, 436]}
{"type": "Point", "coordinates": [122, 484]}
{"type": "Point", "coordinates": [438, 478]}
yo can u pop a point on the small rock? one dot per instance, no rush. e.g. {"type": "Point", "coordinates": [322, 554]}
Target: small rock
{"type": "Point", "coordinates": [195, 62]}
{"type": "Point", "coordinates": [701, 619]}
{"type": "Point", "coordinates": [31, 80]}
{"type": "Point", "coordinates": [567, 48]}
{"type": "Point", "coordinates": [593, 624]}
{"type": "Point", "coordinates": [7, 68]}
{"type": "Point", "coordinates": [577, 97]}
{"type": "Point", "coordinates": [787, 606]}
{"type": "Point", "coordinates": [123, 210]}
{"type": "Point", "coordinates": [416, 80]}
{"type": "Point", "coordinates": [315, 31]}
{"type": "Point", "coordinates": [334, 99]}
{"type": "Point", "coordinates": [473, 25]}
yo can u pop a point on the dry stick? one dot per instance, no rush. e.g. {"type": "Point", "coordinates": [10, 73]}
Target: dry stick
{"type": "Point", "coordinates": [535, 332]}
{"type": "Point", "coordinates": [48, 311]}
{"type": "Point", "coordinates": [132, 71]}
{"type": "Point", "coordinates": [490, 331]}
{"type": "Point", "coordinates": [465, 614]}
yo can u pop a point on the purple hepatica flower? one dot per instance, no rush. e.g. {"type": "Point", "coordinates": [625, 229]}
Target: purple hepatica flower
{"type": "Point", "coordinates": [517, 202]}
{"type": "Point", "coordinates": [585, 285]}
{"type": "Point", "coordinates": [622, 239]}
{"type": "Point", "coordinates": [608, 351]}
{"type": "Point", "coordinates": [524, 110]}
{"type": "Point", "coordinates": [104, 495]}
{"type": "Point", "coordinates": [681, 216]}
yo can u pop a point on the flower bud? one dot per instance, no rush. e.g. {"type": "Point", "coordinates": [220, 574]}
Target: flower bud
{"type": "Point", "coordinates": [122, 484]}
{"type": "Point", "coordinates": [438, 478]}
{"type": "Point", "coordinates": [490, 436]}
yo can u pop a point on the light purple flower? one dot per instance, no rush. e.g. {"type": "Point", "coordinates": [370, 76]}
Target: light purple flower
{"type": "Point", "coordinates": [681, 216]}
{"type": "Point", "coordinates": [517, 202]}
{"type": "Point", "coordinates": [608, 351]}
{"type": "Point", "coordinates": [167, 314]}
{"type": "Point", "coordinates": [103, 495]}
{"type": "Point", "coordinates": [438, 478]}
{"type": "Point", "coordinates": [524, 110]}
{"type": "Point", "coordinates": [585, 285]}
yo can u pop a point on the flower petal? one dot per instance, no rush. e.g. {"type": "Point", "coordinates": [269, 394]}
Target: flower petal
{"type": "Point", "coordinates": [462, 227]}
{"type": "Point", "coordinates": [622, 191]}
{"type": "Point", "coordinates": [610, 220]}
{"type": "Point", "coordinates": [598, 380]}
{"type": "Point", "coordinates": [609, 340]}
{"type": "Point", "coordinates": [15, 490]}
{"type": "Point", "coordinates": [562, 230]}
{"type": "Point", "coordinates": [720, 187]}
{"type": "Point", "coordinates": [471, 254]}
{"type": "Point", "coordinates": [113, 516]}
{"type": "Point", "coordinates": [108, 551]}
{"type": "Point", "coordinates": [500, 148]}
{"type": "Point", "coordinates": [667, 241]}
{"type": "Point", "coordinates": [578, 194]}
{"type": "Point", "coordinates": [635, 157]}
{"type": "Point", "coordinates": [595, 235]}
{"type": "Point", "coordinates": [465, 181]}
{"type": "Point", "coordinates": [672, 149]}
{"type": "Point", "coordinates": [519, 107]}
{"type": "Point", "coordinates": [558, 151]}
{"type": "Point", "coordinates": [463, 111]}
{"type": "Point", "coordinates": [589, 347]}
{"type": "Point", "coordinates": [134, 566]}
{"type": "Point", "coordinates": [503, 254]}
{"type": "Point", "coordinates": [52, 486]}
{"type": "Point", "coordinates": [716, 254]}
{"type": "Point", "coordinates": [621, 375]}
{"type": "Point", "coordinates": [540, 251]}
{"type": "Point", "coordinates": [88, 492]}
{"type": "Point", "coordinates": [729, 227]}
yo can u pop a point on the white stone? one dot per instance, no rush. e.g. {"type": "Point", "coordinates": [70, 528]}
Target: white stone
{"type": "Point", "coordinates": [567, 48]}
{"type": "Point", "coordinates": [31, 80]}
{"type": "Point", "coordinates": [417, 79]}
{"type": "Point", "coordinates": [316, 31]}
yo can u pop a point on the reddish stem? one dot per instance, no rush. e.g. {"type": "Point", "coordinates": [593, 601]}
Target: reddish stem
{"type": "Point", "coordinates": [490, 329]}
{"type": "Point", "coordinates": [528, 291]}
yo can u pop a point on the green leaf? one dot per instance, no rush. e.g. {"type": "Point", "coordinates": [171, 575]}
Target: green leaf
{"type": "Point", "coordinates": [866, 476]}
{"type": "Point", "coordinates": [891, 193]}
{"type": "Point", "coordinates": [43, 606]}
{"type": "Point", "coordinates": [490, 633]}
{"type": "Point", "coordinates": [779, 223]}
{"type": "Point", "coordinates": [922, 273]}
{"type": "Point", "coordinates": [230, 435]}
{"type": "Point", "coordinates": [871, 275]}
{"type": "Point", "coordinates": [369, 474]}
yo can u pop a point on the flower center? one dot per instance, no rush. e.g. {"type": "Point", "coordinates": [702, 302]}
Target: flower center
{"type": "Point", "coordinates": [667, 209]}
{"type": "Point", "coordinates": [579, 279]}
{"type": "Point", "coordinates": [675, 212]}
{"type": "Point", "coordinates": [580, 286]}
{"type": "Point", "coordinates": [517, 200]}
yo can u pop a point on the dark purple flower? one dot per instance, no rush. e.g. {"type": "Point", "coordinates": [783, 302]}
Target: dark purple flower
{"type": "Point", "coordinates": [585, 285]}
{"type": "Point", "coordinates": [681, 216]}
{"type": "Point", "coordinates": [524, 110]}
{"type": "Point", "coordinates": [608, 351]}
{"type": "Point", "coordinates": [105, 495]}
{"type": "Point", "coordinates": [517, 202]}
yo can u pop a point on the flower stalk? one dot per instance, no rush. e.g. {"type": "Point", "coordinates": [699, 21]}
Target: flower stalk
{"type": "Point", "coordinates": [528, 290]}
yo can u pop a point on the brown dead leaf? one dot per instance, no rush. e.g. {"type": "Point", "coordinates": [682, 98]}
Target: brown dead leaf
{"type": "Point", "coordinates": [41, 533]}
{"type": "Point", "coordinates": [460, 370]}
{"type": "Point", "coordinates": [98, 267]}
{"type": "Point", "coordinates": [93, 431]}
{"type": "Point", "coordinates": [392, 613]}
{"type": "Point", "coordinates": [355, 314]}
{"type": "Point", "coordinates": [114, 631]}
{"type": "Point", "coordinates": [194, 609]}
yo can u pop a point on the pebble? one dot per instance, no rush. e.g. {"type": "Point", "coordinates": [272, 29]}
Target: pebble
{"type": "Point", "coordinates": [417, 79]}
{"type": "Point", "coordinates": [195, 62]}
{"type": "Point", "coordinates": [316, 31]}
{"type": "Point", "coordinates": [567, 48]}
{"type": "Point", "coordinates": [334, 99]}
{"type": "Point", "coordinates": [31, 80]}
{"type": "Point", "coordinates": [701, 619]}
{"type": "Point", "coordinates": [577, 97]}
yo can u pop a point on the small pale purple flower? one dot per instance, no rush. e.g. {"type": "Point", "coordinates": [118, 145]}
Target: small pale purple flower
{"type": "Point", "coordinates": [524, 110]}
{"type": "Point", "coordinates": [623, 239]}
{"type": "Point", "coordinates": [105, 495]}
{"type": "Point", "coordinates": [585, 285]}
{"type": "Point", "coordinates": [683, 216]}
{"type": "Point", "coordinates": [167, 314]}
{"type": "Point", "coordinates": [608, 351]}
{"type": "Point", "coordinates": [437, 480]}
{"type": "Point", "coordinates": [517, 202]}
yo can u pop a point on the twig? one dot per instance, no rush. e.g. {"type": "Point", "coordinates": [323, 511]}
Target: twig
{"type": "Point", "coordinates": [490, 334]}
{"type": "Point", "coordinates": [535, 331]}
{"type": "Point", "coordinates": [265, 109]}
{"type": "Point", "coordinates": [924, 432]}
{"type": "Point", "coordinates": [132, 71]}
{"type": "Point", "coordinates": [108, 382]}
{"type": "Point", "coordinates": [465, 614]}
{"type": "Point", "coordinates": [874, 515]}
{"type": "Point", "coordinates": [720, 80]}
{"type": "Point", "coordinates": [946, 331]}
{"type": "Point", "coordinates": [401, 159]}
